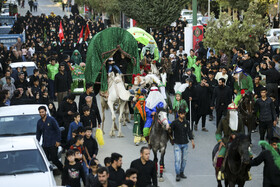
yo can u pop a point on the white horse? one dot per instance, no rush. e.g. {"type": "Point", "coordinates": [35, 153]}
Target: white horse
{"type": "Point", "coordinates": [116, 93]}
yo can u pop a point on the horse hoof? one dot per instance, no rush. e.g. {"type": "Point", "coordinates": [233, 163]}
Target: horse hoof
{"type": "Point", "coordinates": [120, 135]}
{"type": "Point", "coordinates": [161, 179]}
{"type": "Point", "coordinates": [112, 133]}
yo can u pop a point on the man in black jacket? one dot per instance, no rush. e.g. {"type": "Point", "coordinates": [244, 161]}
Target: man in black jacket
{"type": "Point", "coordinates": [221, 99]}
{"type": "Point", "coordinates": [88, 92]}
{"type": "Point", "coordinates": [116, 173]}
{"type": "Point", "coordinates": [182, 134]}
{"type": "Point", "coordinates": [272, 78]}
{"type": "Point", "coordinates": [267, 114]}
{"type": "Point", "coordinates": [271, 170]}
{"type": "Point", "coordinates": [61, 84]}
{"type": "Point", "coordinates": [146, 169]}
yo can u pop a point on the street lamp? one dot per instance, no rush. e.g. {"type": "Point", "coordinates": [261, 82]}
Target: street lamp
{"type": "Point", "coordinates": [194, 9]}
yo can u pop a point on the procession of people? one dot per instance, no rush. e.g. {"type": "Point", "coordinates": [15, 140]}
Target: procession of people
{"type": "Point", "coordinates": [191, 88]}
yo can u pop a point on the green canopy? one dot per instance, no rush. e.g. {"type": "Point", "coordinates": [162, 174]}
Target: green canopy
{"type": "Point", "coordinates": [103, 46]}
{"type": "Point", "coordinates": [143, 37]}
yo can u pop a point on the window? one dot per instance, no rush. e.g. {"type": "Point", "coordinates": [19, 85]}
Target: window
{"type": "Point", "coordinates": [22, 161]}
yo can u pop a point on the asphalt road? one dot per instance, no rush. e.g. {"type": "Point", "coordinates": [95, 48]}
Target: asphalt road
{"type": "Point", "coordinates": [199, 169]}
{"type": "Point", "coordinates": [44, 6]}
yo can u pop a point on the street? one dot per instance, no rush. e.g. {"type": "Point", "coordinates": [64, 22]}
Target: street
{"type": "Point", "coordinates": [199, 169]}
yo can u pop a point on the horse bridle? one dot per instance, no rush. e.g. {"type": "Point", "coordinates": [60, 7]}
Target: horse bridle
{"type": "Point", "coordinates": [161, 122]}
{"type": "Point", "coordinates": [241, 107]}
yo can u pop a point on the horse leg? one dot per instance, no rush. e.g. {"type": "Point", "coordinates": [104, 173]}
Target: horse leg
{"type": "Point", "coordinates": [111, 106]}
{"type": "Point", "coordinates": [155, 160]}
{"type": "Point", "coordinates": [161, 179]}
{"type": "Point", "coordinates": [231, 184]}
{"type": "Point", "coordinates": [241, 184]}
{"type": "Point", "coordinates": [120, 117]}
{"type": "Point", "coordinates": [103, 106]}
{"type": "Point", "coordinates": [226, 183]}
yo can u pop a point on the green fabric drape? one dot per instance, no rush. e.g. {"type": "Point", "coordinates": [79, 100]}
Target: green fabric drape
{"type": "Point", "coordinates": [106, 41]}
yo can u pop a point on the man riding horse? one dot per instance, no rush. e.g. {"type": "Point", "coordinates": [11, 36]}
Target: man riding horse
{"type": "Point", "coordinates": [243, 84]}
{"type": "Point", "coordinates": [228, 128]}
{"type": "Point", "coordinates": [154, 100]}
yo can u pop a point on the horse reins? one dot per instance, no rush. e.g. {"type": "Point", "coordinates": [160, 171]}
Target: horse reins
{"type": "Point", "coordinates": [161, 122]}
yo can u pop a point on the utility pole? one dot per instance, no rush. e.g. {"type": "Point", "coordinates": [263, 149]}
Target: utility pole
{"type": "Point", "coordinates": [194, 9]}
{"type": "Point", "coordinates": [209, 8]}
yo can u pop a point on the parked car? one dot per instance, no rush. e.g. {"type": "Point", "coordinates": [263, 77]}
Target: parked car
{"type": "Point", "coordinates": [188, 14]}
{"type": "Point", "coordinates": [5, 12]}
{"type": "Point", "coordinates": [270, 32]}
{"type": "Point", "coordinates": [275, 45]}
{"type": "Point", "coordinates": [30, 66]}
{"type": "Point", "coordinates": [24, 163]}
{"type": "Point", "coordinates": [21, 121]}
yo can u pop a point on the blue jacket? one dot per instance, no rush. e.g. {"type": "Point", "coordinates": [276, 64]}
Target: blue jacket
{"type": "Point", "coordinates": [149, 114]}
{"type": "Point", "coordinates": [50, 131]}
{"type": "Point", "coordinates": [73, 126]}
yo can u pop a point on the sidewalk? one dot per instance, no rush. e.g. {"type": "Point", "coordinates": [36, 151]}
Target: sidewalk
{"type": "Point", "coordinates": [44, 6]}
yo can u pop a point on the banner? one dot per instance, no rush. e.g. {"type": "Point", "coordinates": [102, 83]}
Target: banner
{"type": "Point", "coordinates": [197, 36]}
{"type": "Point", "coordinates": [188, 39]}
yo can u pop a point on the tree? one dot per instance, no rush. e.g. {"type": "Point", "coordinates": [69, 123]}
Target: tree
{"type": "Point", "coordinates": [221, 34]}
{"type": "Point", "coordinates": [152, 13]}
{"type": "Point", "coordinates": [111, 7]}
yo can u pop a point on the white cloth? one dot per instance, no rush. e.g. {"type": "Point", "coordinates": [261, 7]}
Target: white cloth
{"type": "Point", "coordinates": [154, 98]}
{"type": "Point", "coordinates": [220, 75]}
{"type": "Point", "coordinates": [233, 120]}
{"type": "Point", "coordinates": [162, 91]}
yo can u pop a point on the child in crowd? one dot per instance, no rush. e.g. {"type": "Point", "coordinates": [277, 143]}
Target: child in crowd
{"type": "Point", "coordinates": [88, 119]}
{"type": "Point", "coordinates": [74, 125]}
{"type": "Point", "coordinates": [73, 172]}
{"type": "Point", "coordinates": [93, 175]}
{"type": "Point", "coordinates": [79, 145]}
{"type": "Point", "coordinates": [91, 147]}
{"type": "Point", "coordinates": [107, 161]}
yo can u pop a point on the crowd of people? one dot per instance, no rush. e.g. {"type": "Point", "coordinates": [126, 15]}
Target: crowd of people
{"type": "Point", "coordinates": [211, 79]}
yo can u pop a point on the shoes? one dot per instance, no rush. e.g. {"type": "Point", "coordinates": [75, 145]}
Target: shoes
{"type": "Point", "coordinates": [253, 131]}
{"type": "Point", "coordinates": [195, 127]}
{"type": "Point", "coordinates": [178, 178]}
{"type": "Point", "coordinates": [204, 129]}
{"type": "Point", "coordinates": [183, 176]}
{"type": "Point", "coordinates": [137, 144]}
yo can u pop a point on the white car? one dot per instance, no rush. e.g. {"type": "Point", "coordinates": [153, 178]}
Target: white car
{"type": "Point", "coordinates": [21, 121]}
{"type": "Point", "coordinates": [30, 66]}
{"type": "Point", "coordinates": [270, 32]}
{"type": "Point", "coordinates": [275, 45]}
{"type": "Point", "coordinates": [5, 12]}
{"type": "Point", "coordinates": [188, 14]}
{"type": "Point", "coordinates": [24, 163]}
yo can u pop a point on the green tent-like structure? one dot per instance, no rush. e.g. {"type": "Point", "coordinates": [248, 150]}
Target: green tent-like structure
{"type": "Point", "coordinates": [103, 46]}
{"type": "Point", "coordinates": [143, 37]}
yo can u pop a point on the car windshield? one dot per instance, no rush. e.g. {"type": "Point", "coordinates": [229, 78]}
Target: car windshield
{"type": "Point", "coordinates": [275, 46]}
{"type": "Point", "coordinates": [29, 70]}
{"type": "Point", "coordinates": [18, 125]}
{"type": "Point", "coordinates": [22, 161]}
{"type": "Point", "coordinates": [187, 13]}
